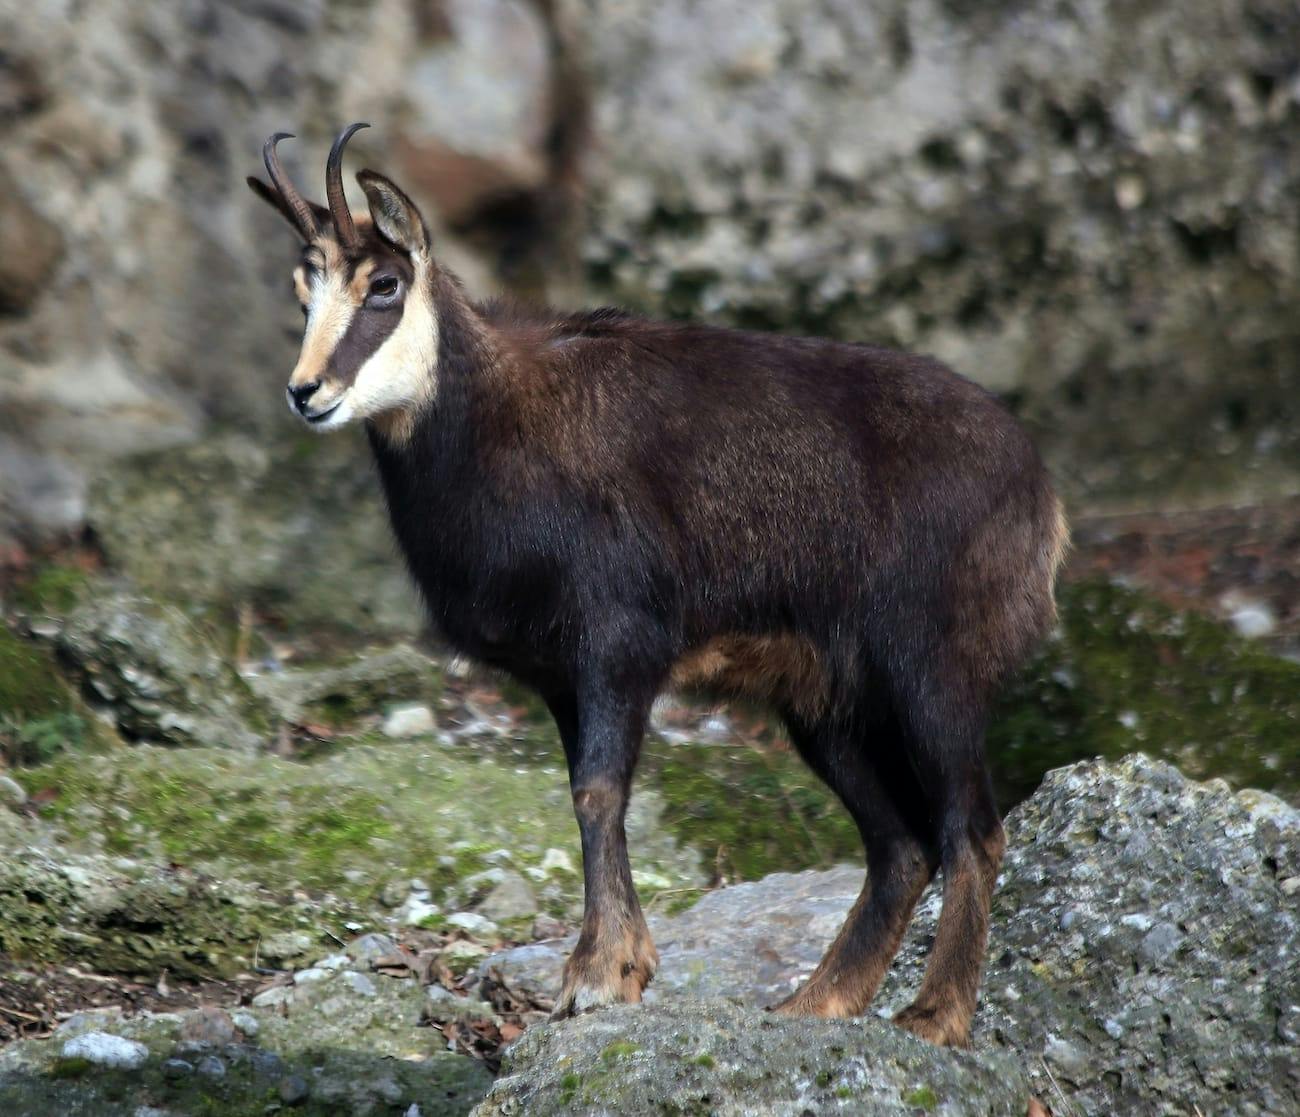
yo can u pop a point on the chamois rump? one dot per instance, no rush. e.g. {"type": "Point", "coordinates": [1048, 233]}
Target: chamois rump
{"type": "Point", "coordinates": [603, 505]}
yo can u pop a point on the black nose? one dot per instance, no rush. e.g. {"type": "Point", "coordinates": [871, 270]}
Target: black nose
{"type": "Point", "coordinates": [302, 394]}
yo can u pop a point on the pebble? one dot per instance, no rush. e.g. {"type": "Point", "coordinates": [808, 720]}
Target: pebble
{"type": "Point", "coordinates": [208, 1025]}
{"type": "Point", "coordinates": [211, 1067]}
{"type": "Point", "coordinates": [373, 945]}
{"type": "Point", "coordinates": [177, 1068]}
{"type": "Point", "coordinates": [293, 1089]}
{"type": "Point", "coordinates": [310, 975]}
{"type": "Point", "coordinates": [473, 924]}
{"type": "Point", "coordinates": [415, 911]}
{"type": "Point", "coordinates": [408, 721]}
{"type": "Point", "coordinates": [274, 997]}
{"type": "Point", "coordinates": [11, 792]}
{"type": "Point", "coordinates": [359, 983]}
{"type": "Point", "coordinates": [511, 898]}
{"type": "Point", "coordinates": [247, 1023]}
{"type": "Point", "coordinates": [334, 963]}
{"type": "Point", "coordinates": [1160, 944]}
{"type": "Point", "coordinates": [106, 1050]}
{"type": "Point", "coordinates": [557, 859]}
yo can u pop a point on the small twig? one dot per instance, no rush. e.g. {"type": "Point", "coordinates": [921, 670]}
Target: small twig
{"type": "Point", "coordinates": [1056, 1085]}
{"type": "Point", "coordinates": [335, 937]}
{"type": "Point", "coordinates": [21, 1015]}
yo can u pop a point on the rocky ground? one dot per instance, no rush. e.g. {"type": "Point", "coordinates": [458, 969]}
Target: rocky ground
{"type": "Point", "coordinates": [1143, 960]}
{"type": "Point", "coordinates": [265, 848]}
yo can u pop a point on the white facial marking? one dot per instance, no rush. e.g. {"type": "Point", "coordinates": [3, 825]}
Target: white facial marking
{"type": "Point", "coordinates": [399, 374]}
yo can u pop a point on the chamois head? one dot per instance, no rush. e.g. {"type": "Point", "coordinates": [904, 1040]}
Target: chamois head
{"type": "Point", "coordinates": [364, 285]}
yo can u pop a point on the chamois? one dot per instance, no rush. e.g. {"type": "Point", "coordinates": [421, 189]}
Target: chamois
{"type": "Point", "coordinates": [603, 505]}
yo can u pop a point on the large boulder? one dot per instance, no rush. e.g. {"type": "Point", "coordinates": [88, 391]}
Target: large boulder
{"type": "Point", "coordinates": [713, 1057]}
{"type": "Point", "coordinates": [158, 675]}
{"type": "Point", "coordinates": [1070, 202]}
{"type": "Point", "coordinates": [1143, 956]}
{"type": "Point", "coordinates": [293, 528]}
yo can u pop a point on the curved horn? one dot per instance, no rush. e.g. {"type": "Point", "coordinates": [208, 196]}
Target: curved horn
{"type": "Point", "coordinates": [334, 188]}
{"type": "Point", "coordinates": [302, 213]}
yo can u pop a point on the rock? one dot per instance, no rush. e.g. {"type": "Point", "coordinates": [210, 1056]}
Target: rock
{"type": "Point", "coordinates": [511, 897]}
{"type": "Point", "coordinates": [232, 521]}
{"type": "Point", "coordinates": [159, 676]}
{"type": "Point", "coordinates": [208, 1026]}
{"type": "Point", "coordinates": [339, 693]}
{"type": "Point", "coordinates": [916, 176]}
{"type": "Point", "coordinates": [416, 912]}
{"type": "Point", "coordinates": [710, 1056]}
{"type": "Point", "coordinates": [11, 793]}
{"type": "Point", "coordinates": [113, 914]}
{"type": "Point", "coordinates": [409, 721]}
{"type": "Point", "coordinates": [1126, 1014]}
{"type": "Point", "coordinates": [365, 948]}
{"type": "Point", "coordinates": [293, 1089]}
{"type": "Point", "coordinates": [462, 956]}
{"type": "Point", "coordinates": [106, 1050]}
{"type": "Point", "coordinates": [472, 923]}
{"type": "Point", "coordinates": [30, 249]}
{"type": "Point", "coordinates": [359, 983]}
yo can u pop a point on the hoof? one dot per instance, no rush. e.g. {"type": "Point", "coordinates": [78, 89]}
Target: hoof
{"type": "Point", "coordinates": [595, 978]}
{"type": "Point", "coordinates": [942, 1027]}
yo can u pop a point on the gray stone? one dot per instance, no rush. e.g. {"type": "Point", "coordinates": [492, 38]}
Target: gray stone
{"type": "Point", "coordinates": [293, 1089]}
{"type": "Point", "coordinates": [512, 897]}
{"type": "Point", "coordinates": [1102, 1000]}
{"type": "Point", "coordinates": [409, 721]}
{"type": "Point", "coordinates": [11, 792]}
{"type": "Point", "coordinates": [365, 948]}
{"type": "Point", "coordinates": [159, 676]}
{"type": "Point", "coordinates": [106, 1050]}
{"type": "Point", "coordinates": [232, 520]}
{"type": "Point", "coordinates": [714, 1057]}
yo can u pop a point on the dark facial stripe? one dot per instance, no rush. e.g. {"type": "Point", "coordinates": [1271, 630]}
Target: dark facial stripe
{"type": "Point", "coordinates": [367, 331]}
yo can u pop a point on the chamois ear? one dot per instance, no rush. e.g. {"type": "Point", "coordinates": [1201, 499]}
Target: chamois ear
{"type": "Point", "coordinates": [272, 197]}
{"type": "Point", "coordinates": [395, 215]}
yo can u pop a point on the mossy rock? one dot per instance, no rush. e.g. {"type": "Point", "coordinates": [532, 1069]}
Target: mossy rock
{"type": "Point", "coordinates": [40, 714]}
{"type": "Point", "coordinates": [126, 916]}
{"type": "Point", "coordinates": [355, 1055]}
{"type": "Point", "coordinates": [1126, 674]}
{"type": "Point", "coordinates": [295, 530]}
{"type": "Point", "coordinates": [159, 675]}
{"type": "Point", "coordinates": [348, 822]}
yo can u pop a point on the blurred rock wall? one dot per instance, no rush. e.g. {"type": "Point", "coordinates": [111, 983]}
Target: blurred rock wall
{"type": "Point", "coordinates": [1093, 207]}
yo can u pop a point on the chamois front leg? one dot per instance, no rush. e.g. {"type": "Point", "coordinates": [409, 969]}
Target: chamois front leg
{"type": "Point", "coordinates": [614, 958]}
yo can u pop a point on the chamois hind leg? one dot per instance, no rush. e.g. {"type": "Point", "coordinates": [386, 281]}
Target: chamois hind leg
{"type": "Point", "coordinates": [899, 865]}
{"type": "Point", "coordinates": [614, 958]}
{"type": "Point", "coordinates": [946, 743]}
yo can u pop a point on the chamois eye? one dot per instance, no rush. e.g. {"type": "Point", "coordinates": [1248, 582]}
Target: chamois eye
{"type": "Point", "coordinates": [385, 287]}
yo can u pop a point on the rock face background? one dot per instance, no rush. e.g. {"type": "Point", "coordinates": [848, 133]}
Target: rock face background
{"type": "Point", "coordinates": [238, 789]}
{"type": "Point", "coordinates": [1091, 207]}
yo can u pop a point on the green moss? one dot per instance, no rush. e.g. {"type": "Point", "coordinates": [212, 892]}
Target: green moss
{"type": "Point", "coordinates": [53, 590]}
{"type": "Point", "coordinates": [620, 1049]}
{"type": "Point", "coordinates": [30, 684]}
{"type": "Point", "coordinates": [73, 1067]}
{"type": "Point", "coordinates": [706, 1061]}
{"type": "Point", "coordinates": [843, 1092]}
{"type": "Point", "coordinates": [40, 714]}
{"type": "Point", "coordinates": [1129, 674]}
{"type": "Point", "coordinates": [824, 1078]}
{"type": "Point", "coordinates": [346, 823]}
{"type": "Point", "coordinates": [751, 810]}
{"type": "Point", "coordinates": [922, 1097]}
